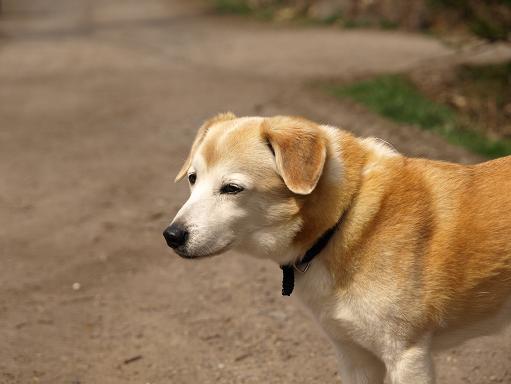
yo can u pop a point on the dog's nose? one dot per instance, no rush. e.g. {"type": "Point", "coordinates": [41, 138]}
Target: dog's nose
{"type": "Point", "coordinates": [175, 235]}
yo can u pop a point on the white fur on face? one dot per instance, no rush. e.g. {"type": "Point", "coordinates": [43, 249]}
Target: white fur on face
{"type": "Point", "coordinates": [208, 215]}
{"type": "Point", "coordinates": [253, 221]}
{"type": "Point", "coordinates": [263, 219]}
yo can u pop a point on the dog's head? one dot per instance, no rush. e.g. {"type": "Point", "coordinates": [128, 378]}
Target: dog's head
{"type": "Point", "coordinates": [250, 179]}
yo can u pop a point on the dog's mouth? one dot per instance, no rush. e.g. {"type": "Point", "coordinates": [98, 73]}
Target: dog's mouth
{"type": "Point", "coordinates": [185, 254]}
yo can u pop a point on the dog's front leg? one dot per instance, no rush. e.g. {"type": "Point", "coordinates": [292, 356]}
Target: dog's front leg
{"type": "Point", "coordinates": [357, 365]}
{"type": "Point", "coordinates": [411, 365]}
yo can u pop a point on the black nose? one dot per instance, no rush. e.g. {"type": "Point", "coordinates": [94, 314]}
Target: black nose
{"type": "Point", "coordinates": [175, 235]}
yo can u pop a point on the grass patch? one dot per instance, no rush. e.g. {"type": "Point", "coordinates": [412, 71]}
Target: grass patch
{"type": "Point", "coordinates": [242, 8]}
{"type": "Point", "coordinates": [396, 98]}
{"type": "Point", "coordinates": [237, 7]}
{"type": "Point", "coordinates": [492, 81]}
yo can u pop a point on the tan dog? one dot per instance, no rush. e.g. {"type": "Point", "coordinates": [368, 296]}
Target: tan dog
{"type": "Point", "coordinates": [420, 257]}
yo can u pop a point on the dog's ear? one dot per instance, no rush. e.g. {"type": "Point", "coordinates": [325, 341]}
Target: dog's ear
{"type": "Point", "coordinates": [198, 139]}
{"type": "Point", "coordinates": [300, 151]}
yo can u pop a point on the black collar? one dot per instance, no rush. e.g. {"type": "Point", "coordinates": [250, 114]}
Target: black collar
{"type": "Point", "coordinates": [288, 270]}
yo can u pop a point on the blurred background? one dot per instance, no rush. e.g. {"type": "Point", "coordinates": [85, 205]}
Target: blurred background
{"type": "Point", "coordinates": [99, 103]}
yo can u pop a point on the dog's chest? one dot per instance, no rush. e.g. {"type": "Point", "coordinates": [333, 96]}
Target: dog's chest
{"type": "Point", "coordinates": [343, 316]}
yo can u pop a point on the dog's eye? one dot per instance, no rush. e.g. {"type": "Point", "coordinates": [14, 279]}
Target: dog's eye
{"type": "Point", "coordinates": [192, 177]}
{"type": "Point", "coordinates": [231, 189]}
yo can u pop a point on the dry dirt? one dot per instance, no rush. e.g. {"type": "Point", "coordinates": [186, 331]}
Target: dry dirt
{"type": "Point", "coordinates": [99, 101]}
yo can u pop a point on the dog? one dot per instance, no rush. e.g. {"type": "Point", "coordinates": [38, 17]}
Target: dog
{"type": "Point", "coordinates": [395, 257]}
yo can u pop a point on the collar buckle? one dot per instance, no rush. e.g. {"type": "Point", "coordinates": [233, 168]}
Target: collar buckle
{"type": "Point", "coordinates": [302, 267]}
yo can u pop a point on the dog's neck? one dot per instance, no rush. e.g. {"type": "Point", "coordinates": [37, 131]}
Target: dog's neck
{"type": "Point", "coordinates": [325, 211]}
{"type": "Point", "coordinates": [333, 195]}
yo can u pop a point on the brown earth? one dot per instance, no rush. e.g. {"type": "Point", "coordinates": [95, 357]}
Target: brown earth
{"type": "Point", "coordinates": [99, 101]}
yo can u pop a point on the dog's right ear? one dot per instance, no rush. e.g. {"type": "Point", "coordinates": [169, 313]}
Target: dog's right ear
{"type": "Point", "coordinates": [198, 139]}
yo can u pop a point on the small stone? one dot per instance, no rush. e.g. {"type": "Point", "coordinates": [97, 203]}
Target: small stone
{"type": "Point", "coordinates": [76, 286]}
{"type": "Point", "coordinates": [459, 101]}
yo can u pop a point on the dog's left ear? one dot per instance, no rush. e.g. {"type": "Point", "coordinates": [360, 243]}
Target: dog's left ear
{"type": "Point", "coordinates": [300, 151]}
{"type": "Point", "coordinates": [198, 139]}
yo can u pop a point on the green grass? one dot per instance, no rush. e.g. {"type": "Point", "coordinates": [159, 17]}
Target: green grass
{"type": "Point", "coordinates": [242, 8]}
{"type": "Point", "coordinates": [490, 81]}
{"type": "Point", "coordinates": [396, 98]}
{"type": "Point", "coordinates": [239, 7]}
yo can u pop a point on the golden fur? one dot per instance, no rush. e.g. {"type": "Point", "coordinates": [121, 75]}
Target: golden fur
{"type": "Point", "coordinates": [424, 246]}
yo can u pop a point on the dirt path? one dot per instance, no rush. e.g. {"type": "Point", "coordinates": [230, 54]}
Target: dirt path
{"type": "Point", "coordinates": [99, 101]}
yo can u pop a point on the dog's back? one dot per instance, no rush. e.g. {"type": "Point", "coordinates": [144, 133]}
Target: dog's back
{"type": "Point", "coordinates": [469, 265]}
